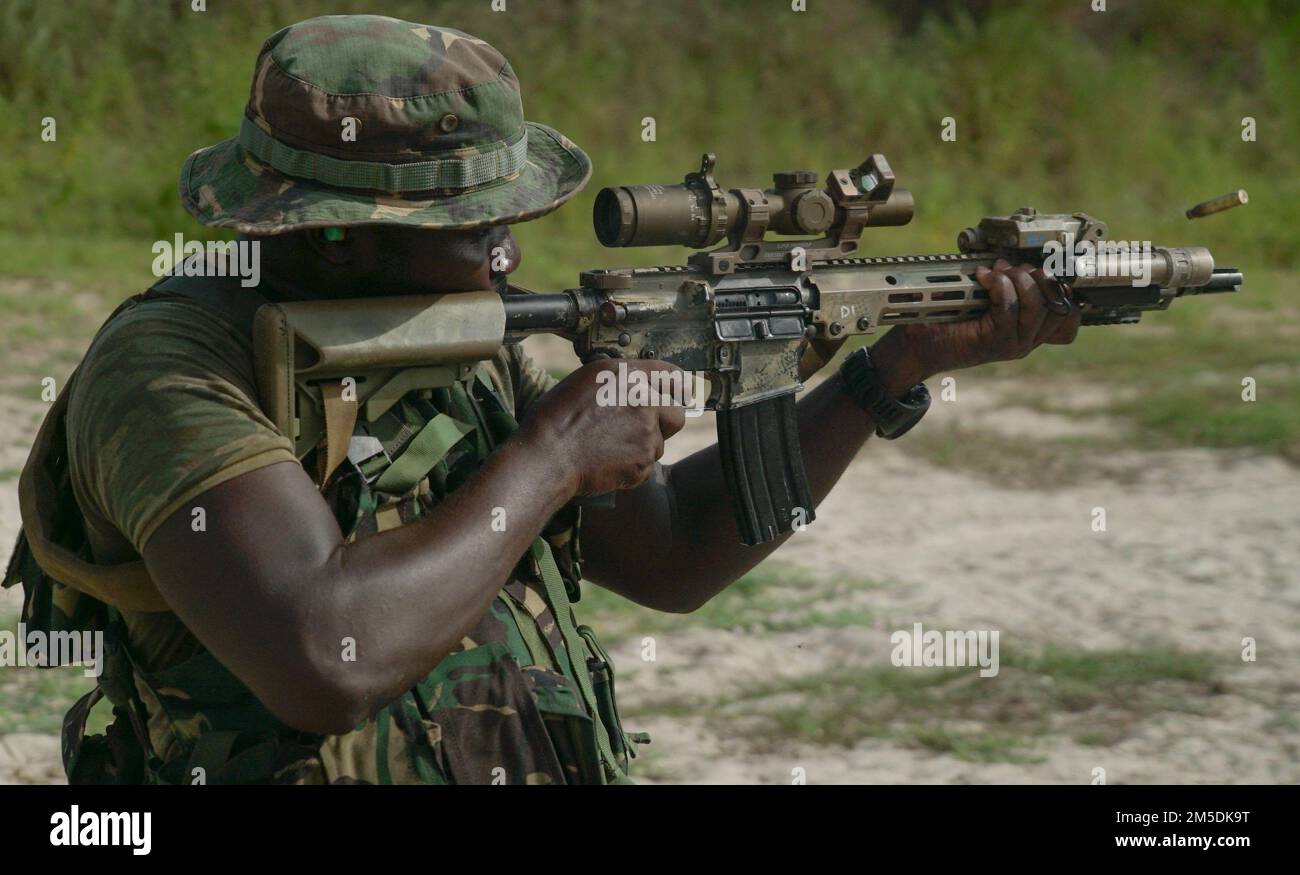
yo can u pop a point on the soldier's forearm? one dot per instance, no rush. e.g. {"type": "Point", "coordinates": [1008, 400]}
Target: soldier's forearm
{"type": "Point", "coordinates": [686, 547]}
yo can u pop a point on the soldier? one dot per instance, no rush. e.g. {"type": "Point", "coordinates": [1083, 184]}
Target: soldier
{"type": "Point", "coordinates": [361, 619]}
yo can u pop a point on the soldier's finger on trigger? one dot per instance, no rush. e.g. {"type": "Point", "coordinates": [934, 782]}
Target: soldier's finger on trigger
{"type": "Point", "coordinates": [672, 419]}
{"type": "Point", "coordinates": [660, 443]}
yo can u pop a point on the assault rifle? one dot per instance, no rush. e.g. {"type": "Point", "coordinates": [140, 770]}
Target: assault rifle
{"type": "Point", "coordinates": [742, 313]}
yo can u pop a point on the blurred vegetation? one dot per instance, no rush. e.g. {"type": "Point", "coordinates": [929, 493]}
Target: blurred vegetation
{"type": "Point", "coordinates": [1132, 114]}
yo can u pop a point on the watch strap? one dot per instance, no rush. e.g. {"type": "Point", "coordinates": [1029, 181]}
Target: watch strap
{"type": "Point", "coordinates": [893, 417]}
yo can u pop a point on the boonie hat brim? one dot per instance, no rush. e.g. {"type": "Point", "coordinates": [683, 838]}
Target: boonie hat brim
{"type": "Point", "coordinates": [224, 186]}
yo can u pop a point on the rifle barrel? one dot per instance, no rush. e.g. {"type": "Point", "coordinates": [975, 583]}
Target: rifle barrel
{"type": "Point", "coordinates": [1224, 279]}
{"type": "Point", "coordinates": [541, 312]}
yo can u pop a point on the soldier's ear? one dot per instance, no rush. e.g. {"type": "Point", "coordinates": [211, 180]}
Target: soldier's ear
{"type": "Point", "coordinates": [331, 244]}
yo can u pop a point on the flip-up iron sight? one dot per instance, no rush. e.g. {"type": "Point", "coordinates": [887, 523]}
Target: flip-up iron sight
{"type": "Point", "coordinates": [698, 213]}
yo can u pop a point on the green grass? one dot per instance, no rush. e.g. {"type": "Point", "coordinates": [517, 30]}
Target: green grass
{"type": "Point", "coordinates": [883, 77]}
{"type": "Point", "coordinates": [1095, 697]}
{"type": "Point", "coordinates": [650, 764]}
{"type": "Point", "coordinates": [1034, 464]}
{"type": "Point", "coordinates": [982, 748]}
{"type": "Point", "coordinates": [1190, 415]}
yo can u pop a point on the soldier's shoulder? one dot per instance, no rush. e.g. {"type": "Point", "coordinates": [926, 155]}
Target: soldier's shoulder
{"type": "Point", "coordinates": [170, 318]}
{"type": "Point", "coordinates": [175, 331]}
{"type": "Point", "coordinates": [161, 349]}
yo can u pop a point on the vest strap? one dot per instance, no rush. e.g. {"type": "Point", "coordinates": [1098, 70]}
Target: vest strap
{"type": "Point", "coordinates": [576, 647]}
{"type": "Point", "coordinates": [426, 449]}
{"type": "Point", "coordinates": [126, 586]}
{"type": "Point", "coordinates": [213, 752]}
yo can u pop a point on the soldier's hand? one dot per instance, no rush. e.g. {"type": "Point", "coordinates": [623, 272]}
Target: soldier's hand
{"type": "Point", "coordinates": [606, 436]}
{"type": "Point", "coordinates": [1019, 319]}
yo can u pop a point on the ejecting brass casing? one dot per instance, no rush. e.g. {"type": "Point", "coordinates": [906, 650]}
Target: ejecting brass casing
{"type": "Point", "coordinates": [1218, 204]}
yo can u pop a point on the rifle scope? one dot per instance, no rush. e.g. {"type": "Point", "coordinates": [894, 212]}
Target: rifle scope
{"type": "Point", "coordinates": [691, 214]}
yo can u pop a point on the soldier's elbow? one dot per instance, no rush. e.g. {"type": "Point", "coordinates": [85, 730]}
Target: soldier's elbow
{"type": "Point", "coordinates": [321, 708]}
{"type": "Point", "coordinates": [681, 602]}
{"type": "Point", "coordinates": [322, 696]}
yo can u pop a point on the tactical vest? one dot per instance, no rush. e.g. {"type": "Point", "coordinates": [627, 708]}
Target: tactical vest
{"type": "Point", "coordinates": [528, 696]}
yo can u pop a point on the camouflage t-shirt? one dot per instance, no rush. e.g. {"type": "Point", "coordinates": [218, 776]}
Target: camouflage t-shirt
{"type": "Point", "coordinates": [164, 407]}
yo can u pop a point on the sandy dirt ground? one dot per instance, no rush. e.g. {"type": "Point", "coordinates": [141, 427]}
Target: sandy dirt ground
{"type": "Point", "coordinates": [1199, 552]}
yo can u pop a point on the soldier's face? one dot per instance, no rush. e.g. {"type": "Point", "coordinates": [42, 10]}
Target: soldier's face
{"type": "Point", "coordinates": [414, 261]}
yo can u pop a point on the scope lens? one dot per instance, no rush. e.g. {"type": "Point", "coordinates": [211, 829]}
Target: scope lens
{"type": "Point", "coordinates": [614, 217]}
{"type": "Point", "coordinates": [652, 215]}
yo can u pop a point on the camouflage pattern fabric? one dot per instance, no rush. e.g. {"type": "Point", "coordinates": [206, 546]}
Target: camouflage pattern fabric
{"type": "Point", "coordinates": [182, 373]}
{"type": "Point", "coordinates": [440, 139]}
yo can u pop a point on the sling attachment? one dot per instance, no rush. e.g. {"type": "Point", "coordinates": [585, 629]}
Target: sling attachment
{"type": "Point", "coordinates": [340, 420]}
{"type": "Point", "coordinates": [602, 673]}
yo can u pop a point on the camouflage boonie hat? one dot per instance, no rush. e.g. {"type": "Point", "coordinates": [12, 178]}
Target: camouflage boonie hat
{"type": "Point", "coordinates": [439, 141]}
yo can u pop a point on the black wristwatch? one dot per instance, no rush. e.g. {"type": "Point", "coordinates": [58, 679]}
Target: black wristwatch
{"type": "Point", "coordinates": [893, 417]}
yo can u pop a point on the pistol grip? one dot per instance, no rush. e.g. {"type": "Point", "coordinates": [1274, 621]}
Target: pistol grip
{"type": "Point", "coordinates": [763, 466]}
